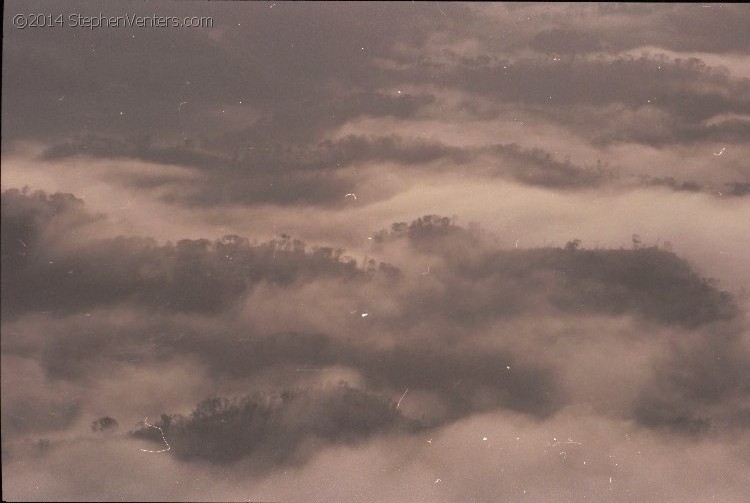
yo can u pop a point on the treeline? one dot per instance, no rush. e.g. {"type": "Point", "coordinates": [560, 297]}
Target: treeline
{"type": "Point", "coordinates": [479, 280]}
{"type": "Point", "coordinates": [198, 275]}
{"type": "Point", "coordinates": [485, 282]}
{"type": "Point", "coordinates": [272, 428]}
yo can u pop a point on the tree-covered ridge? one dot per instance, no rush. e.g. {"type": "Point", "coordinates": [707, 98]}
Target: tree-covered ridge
{"type": "Point", "coordinates": [480, 281]}
{"type": "Point", "coordinates": [198, 275]}
{"type": "Point", "coordinates": [274, 427]}
{"type": "Point", "coordinates": [487, 281]}
{"type": "Point", "coordinates": [653, 283]}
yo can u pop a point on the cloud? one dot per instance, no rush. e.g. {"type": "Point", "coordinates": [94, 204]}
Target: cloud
{"type": "Point", "coordinates": [456, 461]}
{"type": "Point", "coordinates": [31, 404]}
{"type": "Point", "coordinates": [190, 275]}
{"type": "Point", "coordinates": [429, 252]}
{"type": "Point", "coordinates": [561, 41]}
{"type": "Point", "coordinates": [430, 338]}
{"type": "Point", "coordinates": [275, 429]}
{"type": "Point", "coordinates": [572, 82]}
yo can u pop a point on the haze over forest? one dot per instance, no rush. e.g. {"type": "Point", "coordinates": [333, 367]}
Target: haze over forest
{"type": "Point", "coordinates": [377, 252]}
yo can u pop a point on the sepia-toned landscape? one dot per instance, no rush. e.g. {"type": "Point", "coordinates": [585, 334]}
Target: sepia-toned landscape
{"type": "Point", "coordinates": [415, 251]}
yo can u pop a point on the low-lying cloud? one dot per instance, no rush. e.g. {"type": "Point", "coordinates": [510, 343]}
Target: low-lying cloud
{"type": "Point", "coordinates": [377, 252]}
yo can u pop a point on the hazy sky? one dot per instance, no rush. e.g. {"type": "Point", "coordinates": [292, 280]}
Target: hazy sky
{"type": "Point", "coordinates": [376, 252]}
